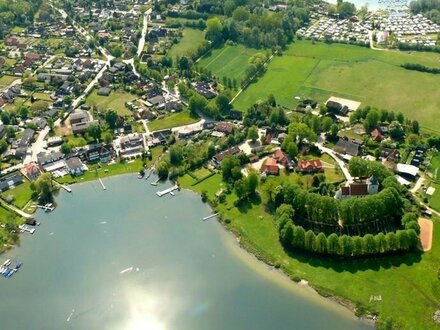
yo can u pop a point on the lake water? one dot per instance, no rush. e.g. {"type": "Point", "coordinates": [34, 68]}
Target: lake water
{"type": "Point", "coordinates": [126, 259]}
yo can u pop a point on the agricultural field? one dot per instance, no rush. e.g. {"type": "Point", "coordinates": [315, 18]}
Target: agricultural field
{"type": "Point", "coordinates": [190, 40]}
{"type": "Point", "coordinates": [229, 61]}
{"type": "Point", "coordinates": [176, 119]}
{"type": "Point", "coordinates": [372, 77]}
{"type": "Point", "coordinates": [116, 101]}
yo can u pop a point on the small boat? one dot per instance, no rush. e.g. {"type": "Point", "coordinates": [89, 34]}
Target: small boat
{"type": "Point", "coordinates": [10, 273]}
{"type": "Point", "coordinates": [7, 263]}
{"type": "Point", "coordinates": [6, 273]}
{"type": "Point", "coordinates": [18, 265]}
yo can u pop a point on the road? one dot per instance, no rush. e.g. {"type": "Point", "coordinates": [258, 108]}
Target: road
{"type": "Point", "coordinates": [141, 43]}
{"type": "Point", "coordinates": [333, 155]}
{"type": "Point", "coordinates": [16, 210]}
{"type": "Point", "coordinates": [38, 146]}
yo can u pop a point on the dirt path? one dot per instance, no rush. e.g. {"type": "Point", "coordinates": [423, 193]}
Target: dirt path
{"type": "Point", "coordinates": [426, 231]}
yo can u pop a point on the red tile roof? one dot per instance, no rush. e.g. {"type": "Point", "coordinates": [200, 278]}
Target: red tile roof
{"type": "Point", "coordinates": [310, 165]}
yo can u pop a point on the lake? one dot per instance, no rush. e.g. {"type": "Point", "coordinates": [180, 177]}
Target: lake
{"type": "Point", "coordinates": [126, 259]}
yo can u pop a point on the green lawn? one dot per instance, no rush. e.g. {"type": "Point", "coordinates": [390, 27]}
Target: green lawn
{"type": "Point", "coordinates": [42, 96]}
{"type": "Point", "coordinates": [201, 173]}
{"type": "Point", "coordinates": [434, 200]}
{"type": "Point", "coordinates": [229, 61]}
{"type": "Point", "coordinates": [189, 42]}
{"type": "Point", "coordinates": [435, 167]}
{"type": "Point", "coordinates": [173, 120]}
{"type": "Point", "coordinates": [372, 77]}
{"type": "Point", "coordinates": [7, 80]}
{"type": "Point", "coordinates": [116, 101]}
{"type": "Point", "coordinates": [212, 185]}
{"type": "Point", "coordinates": [22, 194]}
{"type": "Point", "coordinates": [397, 279]}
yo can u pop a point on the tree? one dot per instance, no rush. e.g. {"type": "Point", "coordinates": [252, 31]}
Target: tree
{"type": "Point", "coordinates": [372, 119]}
{"type": "Point", "coordinates": [107, 137]}
{"type": "Point", "coordinates": [3, 146]}
{"type": "Point", "coordinates": [252, 182]}
{"type": "Point", "coordinates": [333, 244]}
{"type": "Point", "coordinates": [241, 189]}
{"type": "Point", "coordinates": [381, 243]}
{"type": "Point", "coordinates": [222, 102]}
{"type": "Point", "coordinates": [271, 100]}
{"type": "Point", "coordinates": [176, 155]}
{"type": "Point", "coordinates": [197, 103]}
{"type": "Point", "coordinates": [298, 239]}
{"type": "Point", "coordinates": [327, 123]}
{"type": "Point", "coordinates": [415, 127]}
{"type": "Point", "coordinates": [253, 133]}
{"type": "Point", "coordinates": [369, 244]}
{"type": "Point", "coordinates": [346, 9]}
{"type": "Point", "coordinates": [292, 149]}
{"type": "Point", "coordinates": [214, 30]}
{"type": "Point", "coordinates": [228, 164]}
{"type": "Point", "coordinates": [111, 117]}
{"type": "Point", "coordinates": [321, 243]}
{"type": "Point", "coordinates": [396, 130]}
{"type": "Point", "coordinates": [43, 187]}
{"type": "Point", "coordinates": [66, 148]}
{"type": "Point", "coordinates": [345, 246]}
{"type": "Point", "coordinates": [300, 132]}
{"type": "Point", "coordinates": [162, 170]}
{"type": "Point", "coordinates": [94, 131]}
{"type": "Point", "coordinates": [24, 112]}
{"type": "Point", "coordinates": [310, 241]}
{"type": "Point", "coordinates": [334, 130]}
{"type": "Point", "coordinates": [358, 167]}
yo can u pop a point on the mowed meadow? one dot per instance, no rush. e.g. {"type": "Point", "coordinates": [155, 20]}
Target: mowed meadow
{"type": "Point", "coordinates": [375, 78]}
{"type": "Point", "coordinates": [229, 61]}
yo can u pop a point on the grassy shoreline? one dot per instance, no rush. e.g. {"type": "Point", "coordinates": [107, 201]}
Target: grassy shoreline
{"type": "Point", "coordinates": [352, 283]}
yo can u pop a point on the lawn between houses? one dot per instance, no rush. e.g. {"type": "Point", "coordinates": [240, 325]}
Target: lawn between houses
{"type": "Point", "coordinates": [407, 283]}
{"type": "Point", "coordinates": [116, 101]}
{"type": "Point", "coordinates": [191, 39]}
{"type": "Point", "coordinates": [174, 120]}
{"type": "Point", "coordinates": [372, 77]}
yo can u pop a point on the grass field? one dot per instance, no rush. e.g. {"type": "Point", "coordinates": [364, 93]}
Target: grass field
{"type": "Point", "coordinates": [42, 96]}
{"type": "Point", "coordinates": [435, 167]}
{"type": "Point", "coordinates": [229, 61]}
{"type": "Point", "coordinates": [115, 101]}
{"type": "Point", "coordinates": [397, 279]}
{"type": "Point", "coordinates": [190, 40]}
{"type": "Point", "coordinates": [7, 80]}
{"type": "Point", "coordinates": [372, 77]}
{"type": "Point", "coordinates": [22, 194]}
{"type": "Point", "coordinates": [173, 120]}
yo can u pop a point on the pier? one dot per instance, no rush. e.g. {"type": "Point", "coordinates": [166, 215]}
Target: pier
{"type": "Point", "coordinates": [102, 184]}
{"type": "Point", "coordinates": [26, 228]}
{"type": "Point", "coordinates": [47, 207]}
{"type": "Point", "coordinates": [155, 182]}
{"type": "Point", "coordinates": [66, 188]}
{"type": "Point", "coordinates": [166, 191]}
{"type": "Point", "coordinates": [209, 217]}
{"type": "Point", "coordinates": [150, 171]}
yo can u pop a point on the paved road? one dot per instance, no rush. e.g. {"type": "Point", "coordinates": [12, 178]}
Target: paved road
{"type": "Point", "coordinates": [340, 162]}
{"type": "Point", "coordinates": [38, 146]}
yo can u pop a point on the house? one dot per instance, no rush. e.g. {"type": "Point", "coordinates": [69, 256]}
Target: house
{"type": "Point", "coordinates": [389, 154]}
{"type": "Point", "coordinates": [78, 117]}
{"type": "Point", "coordinates": [358, 189]}
{"type": "Point", "coordinates": [45, 158]}
{"type": "Point", "coordinates": [131, 145]}
{"type": "Point", "coordinates": [26, 138]}
{"type": "Point", "coordinates": [10, 181]}
{"type": "Point", "coordinates": [75, 166]}
{"type": "Point", "coordinates": [218, 158]}
{"type": "Point", "coordinates": [376, 135]}
{"type": "Point", "coordinates": [188, 131]}
{"type": "Point", "coordinates": [162, 136]}
{"type": "Point", "coordinates": [156, 100]}
{"type": "Point", "coordinates": [409, 172]}
{"type": "Point", "coordinates": [349, 147]}
{"type": "Point", "coordinates": [54, 141]}
{"type": "Point", "coordinates": [81, 128]}
{"type": "Point", "coordinates": [282, 158]}
{"type": "Point", "coordinates": [104, 91]}
{"type": "Point", "coordinates": [337, 108]}
{"type": "Point", "coordinates": [270, 166]}
{"type": "Point", "coordinates": [32, 171]}
{"type": "Point", "coordinates": [310, 166]}
{"type": "Point", "coordinates": [96, 153]}
{"type": "Point", "coordinates": [224, 127]}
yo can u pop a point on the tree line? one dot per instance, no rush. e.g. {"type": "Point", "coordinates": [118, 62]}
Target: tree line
{"type": "Point", "coordinates": [420, 67]}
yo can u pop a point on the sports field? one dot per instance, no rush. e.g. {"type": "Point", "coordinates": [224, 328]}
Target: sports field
{"type": "Point", "coordinates": [189, 42]}
{"type": "Point", "coordinates": [229, 61]}
{"type": "Point", "coordinates": [372, 77]}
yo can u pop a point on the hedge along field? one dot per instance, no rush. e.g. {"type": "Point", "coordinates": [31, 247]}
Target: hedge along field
{"type": "Point", "coordinates": [373, 77]}
{"type": "Point", "coordinates": [229, 61]}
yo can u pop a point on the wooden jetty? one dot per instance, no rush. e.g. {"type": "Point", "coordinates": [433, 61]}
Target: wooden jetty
{"type": "Point", "coordinates": [209, 217]}
{"type": "Point", "coordinates": [166, 191]}
{"type": "Point", "coordinates": [102, 184]}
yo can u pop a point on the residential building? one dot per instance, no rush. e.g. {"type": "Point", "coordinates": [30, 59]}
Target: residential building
{"type": "Point", "coordinates": [310, 166]}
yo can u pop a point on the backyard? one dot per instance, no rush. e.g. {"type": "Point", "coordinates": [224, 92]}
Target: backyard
{"type": "Point", "coordinates": [374, 78]}
{"type": "Point", "coordinates": [22, 194]}
{"type": "Point", "coordinates": [176, 119]}
{"type": "Point", "coordinates": [116, 101]}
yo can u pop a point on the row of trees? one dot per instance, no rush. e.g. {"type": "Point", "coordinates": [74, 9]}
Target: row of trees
{"type": "Point", "coordinates": [295, 237]}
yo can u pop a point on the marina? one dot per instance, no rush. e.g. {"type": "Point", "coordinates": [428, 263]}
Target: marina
{"type": "Point", "coordinates": [7, 271]}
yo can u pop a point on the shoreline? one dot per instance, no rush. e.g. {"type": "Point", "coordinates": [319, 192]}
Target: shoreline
{"type": "Point", "coordinates": [234, 240]}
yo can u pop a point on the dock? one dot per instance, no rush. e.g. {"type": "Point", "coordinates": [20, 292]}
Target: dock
{"type": "Point", "coordinates": [155, 182]}
{"type": "Point", "coordinates": [66, 188]}
{"type": "Point", "coordinates": [209, 217]}
{"type": "Point", "coordinates": [167, 191]}
{"type": "Point", "coordinates": [102, 184]}
{"type": "Point", "coordinates": [26, 228]}
{"type": "Point", "coordinates": [150, 171]}
{"type": "Point", "coordinates": [47, 207]}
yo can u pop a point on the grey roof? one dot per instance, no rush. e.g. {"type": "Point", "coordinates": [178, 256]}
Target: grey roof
{"type": "Point", "coordinates": [74, 163]}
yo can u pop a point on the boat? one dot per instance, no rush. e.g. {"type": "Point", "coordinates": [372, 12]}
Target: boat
{"type": "Point", "coordinates": [11, 272]}
{"type": "Point", "coordinates": [6, 273]}
{"type": "Point", "coordinates": [18, 265]}
{"type": "Point", "coordinates": [7, 263]}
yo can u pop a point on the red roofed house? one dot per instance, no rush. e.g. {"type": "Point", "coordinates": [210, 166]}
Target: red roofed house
{"type": "Point", "coordinates": [310, 166]}
{"type": "Point", "coordinates": [356, 190]}
{"type": "Point", "coordinates": [11, 41]}
{"type": "Point", "coordinates": [376, 135]}
{"type": "Point", "coordinates": [32, 171]}
{"type": "Point", "coordinates": [282, 158]}
{"type": "Point", "coordinates": [270, 166]}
